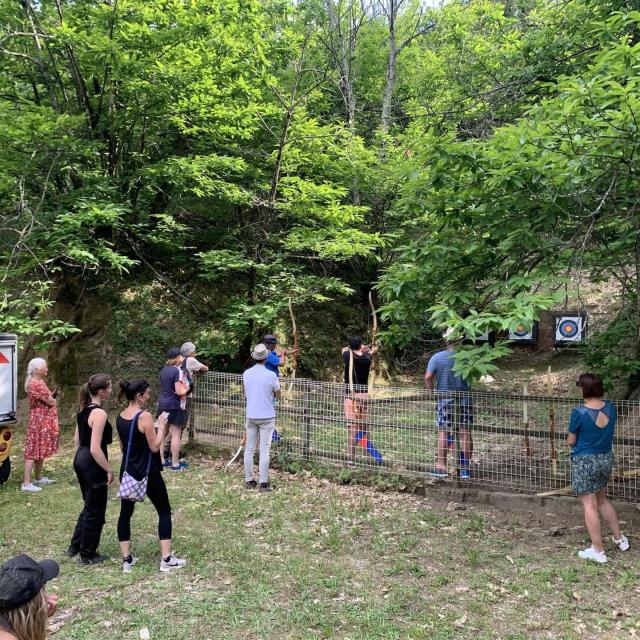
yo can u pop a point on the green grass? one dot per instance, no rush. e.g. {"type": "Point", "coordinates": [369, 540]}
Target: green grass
{"type": "Point", "coordinates": [317, 559]}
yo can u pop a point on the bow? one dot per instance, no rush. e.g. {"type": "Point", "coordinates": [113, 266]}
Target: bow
{"type": "Point", "coordinates": [294, 330]}
{"type": "Point", "coordinates": [235, 457]}
{"type": "Point", "coordinates": [374, 331]}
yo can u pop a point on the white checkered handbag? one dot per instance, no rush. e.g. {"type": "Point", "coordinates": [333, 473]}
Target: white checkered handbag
{"type": "Point", "coordinates": [130, 488]}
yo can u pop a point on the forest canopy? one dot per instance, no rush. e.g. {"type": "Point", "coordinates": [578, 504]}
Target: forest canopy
{"type": "Point", "coordinates": [467, 162]}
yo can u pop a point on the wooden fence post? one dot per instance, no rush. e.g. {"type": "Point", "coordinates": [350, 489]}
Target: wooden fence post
{"type": "Point", "coordinates": [306, 423]}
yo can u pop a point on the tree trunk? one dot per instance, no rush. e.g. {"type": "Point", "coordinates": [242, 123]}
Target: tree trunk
{"type": "Point", "coordinates": [390, 77]}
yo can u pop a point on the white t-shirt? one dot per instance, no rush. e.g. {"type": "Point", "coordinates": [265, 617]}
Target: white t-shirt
{"type": "Point", "coordinates": [193, 366]}
{"type": "Point", "coordinates": [259, 387]}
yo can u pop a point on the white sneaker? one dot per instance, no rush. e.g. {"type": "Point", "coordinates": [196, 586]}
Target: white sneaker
{"type": "Point", "coordinates": [45, 480]}
{"type": "Point", "coordinates": [174, 563]}
{"type": "Point", "coordinates": [127, 567]}
{"type": "Point", "coordinates": [622, 544]}
{"type": "Point", "coordinates": [592, 554]}
{"type": "Point", "coordinates": [31, 488]}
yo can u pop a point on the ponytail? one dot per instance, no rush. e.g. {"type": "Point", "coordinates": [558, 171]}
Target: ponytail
{"type": "Point", "coordinates": [129, 389]}
{"type": "Point", "coordinates": [32, 367]}
{"type": "Point", "coordinates": [96, 382]}
{"type": "Point", "coordinates": [84, 396]}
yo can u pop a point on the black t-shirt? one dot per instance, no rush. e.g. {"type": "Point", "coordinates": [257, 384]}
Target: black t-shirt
{"type": "Point", "coordinates": [361, 367]}
{"type": "Point", "coordinates": [139, 455]}
{"type": "Point", "coordinates": [84, 430]}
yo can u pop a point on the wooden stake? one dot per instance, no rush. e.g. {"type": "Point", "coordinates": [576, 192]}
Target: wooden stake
{"type": "Point", "coordinates": [525, 420]}
{"type": "Point", "coordinates": [552, 426]}
{"type": "Point", "coordinates": [564, 490]}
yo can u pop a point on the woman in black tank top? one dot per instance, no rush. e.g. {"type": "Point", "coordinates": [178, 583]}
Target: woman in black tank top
{"type": "Point", "coordinates": [136, 426]}
{"type": "Point", "coordinates": [91, 464]}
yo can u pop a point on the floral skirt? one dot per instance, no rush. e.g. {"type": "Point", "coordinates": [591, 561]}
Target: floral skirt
{"type": "Point", "coordinates": [590, 473]}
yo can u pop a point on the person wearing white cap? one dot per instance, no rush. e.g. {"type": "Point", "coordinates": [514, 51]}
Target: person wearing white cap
{"type": "Point", "coordinates": [441, 367]}
{"type": "Point", "coordinates": [261, 388]}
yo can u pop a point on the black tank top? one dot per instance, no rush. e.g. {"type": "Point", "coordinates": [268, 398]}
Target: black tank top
{"type": "Point", "coordinates": [139, 454]}
{"type": "Point", "coordinates": [84, 430]}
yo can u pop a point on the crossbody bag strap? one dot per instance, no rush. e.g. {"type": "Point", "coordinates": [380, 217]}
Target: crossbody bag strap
{"type": "Point", "coordinates": [134, 425]}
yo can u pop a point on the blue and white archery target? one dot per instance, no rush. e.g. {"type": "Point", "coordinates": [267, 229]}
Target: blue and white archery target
{"type": "Point", "coordinates": [570, 328]}
{"type": "Point", "coordinates": [522, 334]}
{"type": "Point", "coordinates": [483, 337]}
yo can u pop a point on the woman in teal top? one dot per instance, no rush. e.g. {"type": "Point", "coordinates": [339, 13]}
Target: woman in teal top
{"type": "Point", "coordinates": [590, 436]}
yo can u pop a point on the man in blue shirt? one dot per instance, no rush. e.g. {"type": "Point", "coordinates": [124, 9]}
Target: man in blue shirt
{"type": "Point", "coordinates": [274, 360]}
{"type": "Point", "coordinates": [273, 363]}
{"type": "Point", "coordinates": [440, 367]}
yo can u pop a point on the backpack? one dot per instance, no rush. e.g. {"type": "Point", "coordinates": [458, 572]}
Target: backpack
{"type": "Point", "coordinates": [189, 378]}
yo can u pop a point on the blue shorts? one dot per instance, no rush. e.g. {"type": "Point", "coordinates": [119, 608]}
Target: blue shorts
{"type": "Point", "coordinates": [445, 414]}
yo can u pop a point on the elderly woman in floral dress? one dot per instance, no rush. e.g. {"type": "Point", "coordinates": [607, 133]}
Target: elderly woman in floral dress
{"type": "Point", "coordinates": [42, 432]}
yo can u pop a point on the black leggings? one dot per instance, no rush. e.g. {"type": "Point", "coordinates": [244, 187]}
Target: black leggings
{"type": "Point", "coordinates": [93, 484]}
{"type": "Point", "coordinates": [157, 493]}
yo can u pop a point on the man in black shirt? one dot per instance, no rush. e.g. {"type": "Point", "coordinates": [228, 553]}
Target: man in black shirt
{"type": "Point", "coordinates": [357, 364]}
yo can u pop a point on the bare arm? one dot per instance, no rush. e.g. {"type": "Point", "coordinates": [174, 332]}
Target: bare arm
{"type": "Point", "coordinates": [571, 439]}
{"type": "Point", "coordinates": [181, 388]}
{"type": "Point", "coordinates": [76, 438]}
{"type": "Point", "coordinates": [39, 390]}
{"type": "Point", "coordinates": [428, 380]}
{"type": "Point", "coordinates": [155, 438]}
{"type": "Point", "coordinates": [97, 422]}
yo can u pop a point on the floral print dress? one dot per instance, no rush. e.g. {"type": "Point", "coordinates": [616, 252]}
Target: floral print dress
{"type": "Point", "coordinates": [42, 433]}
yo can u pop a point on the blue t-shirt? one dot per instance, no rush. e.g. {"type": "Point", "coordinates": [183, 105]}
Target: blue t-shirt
{"type": "Point", "coordinates": [592, 438]}
{"type": "Point", "coordinates": [169, 400]}
{"type": "Point", "coordinates": [272, 363]}
{"type": "Point", "coordinates": [441, 365]}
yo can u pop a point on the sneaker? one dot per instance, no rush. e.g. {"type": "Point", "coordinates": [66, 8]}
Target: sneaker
{"type": "Point", "coordinates": [96, 558]}
{"type": "Point", "coordinates": [622, 544]}
{"type": "Point", "coordinates": [127, 567]}
{"type": "Point", "coordinates": [592, 554]}
{"type": "Point", "coordinates": [44, 480]}
{"type": "Point", "coordinates": [438, 473]}
{"type": "Point", "coordinates": [184, 464]}
{"type": "Point", "coordinates": [31, 488]}
{"type": "Point", "coordinates": [166, 463]}
{"type": "Point", "coordinates": [173, 563]}
{"type": "Point", "coordinates": [250, 484]}
{"type": "Point", "coordinates": [71, 551]}
{"type": "Point", "coordinates": [265, 487]}
{"type": "Point", "coordinates": [179, 467]}
{"type": "Point", "coordinates": [465, 474]}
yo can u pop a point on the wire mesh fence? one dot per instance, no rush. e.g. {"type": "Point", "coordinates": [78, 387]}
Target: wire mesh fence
{"type": "Point", "coordinates": [492, 440]}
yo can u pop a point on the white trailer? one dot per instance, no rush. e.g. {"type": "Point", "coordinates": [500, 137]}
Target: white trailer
{"type": "Point", "coordinates": [8, 398]}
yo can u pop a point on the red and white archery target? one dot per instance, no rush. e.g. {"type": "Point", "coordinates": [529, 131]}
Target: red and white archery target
{"type": "Point", "coordinates": [570, 328]}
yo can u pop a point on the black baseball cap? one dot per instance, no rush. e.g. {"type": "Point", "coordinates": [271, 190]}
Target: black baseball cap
{"type": "Point", "coordinates": [22, 578]}
{"type": "Point", "coordinates": [269, 339]}
{"type": "Point", "coordinates": [172, 353]}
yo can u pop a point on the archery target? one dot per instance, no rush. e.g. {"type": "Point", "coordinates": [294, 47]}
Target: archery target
{"type": "Point", "coordinates": [570, 329]}
{"type": "Point", "coordinates": [523, 335]}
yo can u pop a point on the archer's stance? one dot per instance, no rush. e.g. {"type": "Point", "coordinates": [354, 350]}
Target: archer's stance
{"type": "Point", "coordinates": [357, 364]}
{"type": "Point", "coordinates": [441, 366]}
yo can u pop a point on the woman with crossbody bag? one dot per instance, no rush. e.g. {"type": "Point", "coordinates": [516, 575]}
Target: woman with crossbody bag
{"type": "Point", "coordinates": [140, 440]}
